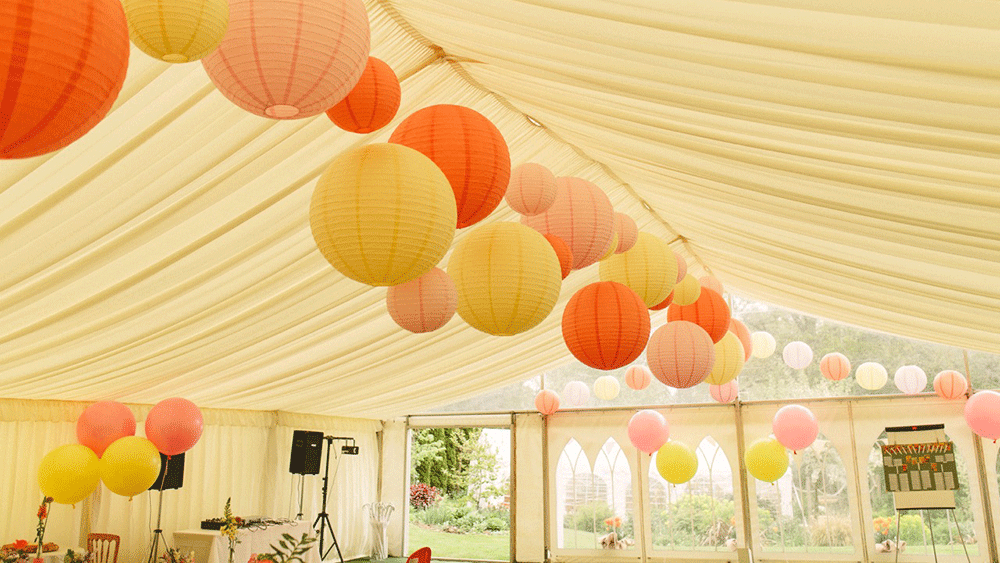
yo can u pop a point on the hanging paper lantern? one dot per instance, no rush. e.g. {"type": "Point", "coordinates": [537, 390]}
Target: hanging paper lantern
{"type": "Point", "coordinates": [676, 462]}
{"type": "Point", "coordinates": [507, 276]}
{"type": "Point", "coordinates": [563, 253]}
{"type": "Point", "coordinates": [728, 360]}
{"type": "Point", "coordinates": [382, 214]}
{"type": "Point", "coordinates": [835, 366]}
{"type": "Point", "coordinates": [638, 377]}
{"type": "Point", "coordinates": [289, 59]}
{"type": "Point", "coordinates": [910, 380]}
{"type": "Point", "coordinates": [711, 283]}
{"type": "Point", "coordinates": [687, 291]}
{"type": "Point", "coordinates": [576, 394]}
{"type": "Point", "coordinates": [797, 355]}
{"type": "Point", "coordinates": [605, 325]}
{"type": "Point", "coordinates": [725, 393]}
{"type": "Point", "coordinates": [424, 304]}
{"type": "Point", "coordinates": [982, 413]}
{"type": "Point", "coordinates": [177, 31]}
{"type": "Point", "coordinates": [763, 344]}
{"type": "Point", "coordinates": [373, 101]}
{"type": "Point", "coordinates": [547, 401]}
{"type": "Point", "coordinates": [648, 430]}
{"type": "Point", "coordinates": [63, 66]}
{"type": "Point", "coordinates": [709, 311]}
{"type": "Point", "coordinates": [682, 270]}
{"type": "Point", "coordinates": [680, 354]}
{"type": "Point", "coordinates": [628, 232]}
{"type": "Point", "coordinates": [795, 427]}
{"type": "Point", "coordinates": [949, 384]}
{"type": "Point", "coordinates": [468, 148]}
{"type": "Point", "coordinates": [582, 216]}
{"type": "Point", "coordinates": [647, 268]}
{"type": "Point", "coordinates": [871, 376]}
{"type": "Point", "coordinates": [663, 304]}
{"type": "Point", "coordinates": [606, 388]}
{"type": "Point", "coordinates": [741, 331]}
{"type": "Point", "coordinates": [531, 190]}
{"type": "Point", "coordinates": [767, 460]}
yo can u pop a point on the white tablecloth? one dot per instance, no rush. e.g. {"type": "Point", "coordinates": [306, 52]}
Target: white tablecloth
{"type": "Point", "coordinates": [209, 546]}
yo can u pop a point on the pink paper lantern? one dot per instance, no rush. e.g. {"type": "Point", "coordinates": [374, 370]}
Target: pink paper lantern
{"type": "Point", "coordinates": [532, 189]}
{"type": "Point", "coordinates": [628, 233]}
{"type": "Point", "coordinates": [638, 377]}
{"type": "Point", "coordinates": [982, 413]}
{"type": "Point", "coordinates": [648, 430]}
{"type": "Point", "coordinates": [289, 59]}
{"type": "Point", "coordinates": [949, 384]}
{"type": "Point", "coordinates": [682, 267]}
{"type": "Point", "coordinates": [711, 282]}
{"type": "Point", "coordinates": [910, 380]}
{"type": "Point", "coordinates": [581, 216]}
{"type": "Point", "coordinates": [797, 355]}
{"type": "Point", "coordinates": [424, 304]}
{"type": "Point", "coordinates": [741, 331]}
{"type": "Point", "coordinates": [725, 393]}
{"type": "Point", "coordinates": [174, 426]}
{"type": "Point", "coordinates": [102, 423]}
{"type": "Point", "coordinates": [680, 354]}
{"type": "Point", "coordinates": [795, 427]}
{"type": "Point", "coordinates": [547, 401]}
{"type": "Point", "coordinates": [835, 366]}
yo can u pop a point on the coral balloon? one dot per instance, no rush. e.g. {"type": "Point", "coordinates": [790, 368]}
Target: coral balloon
{"type": "Point", "coordinates": [871, 376]}
{"type": "Point", "coordinates": [532, 189]}
{"type": "Point", "coordinates": [424, 304]}
{"type": "Point", "coordinates": [382, 214]}
{"type": "Point", "coordinates": [647, 268]}
{"type": "Point", "coordinates": [174, 426]}
{"type": "Point", "coordinates": [563, 253]}
{"type": "Point", "coordinates": [288, 59]}
{"type": "Point", "coordinates": [468, 148]}
{"type": "Point", "coordinates": [982, 413]}
{"type": "Point", "coordinates": [507, 277]}
{"type": "Point", "coordinates": [709, 311]}
{"type": "Point", "coordinates": [725, 393]}
{"type": "Point", "coordinates": [797, 355]}
{"type": "Point", "coordinates": [763, 344]}
{"type": "Point", "coordinates": [680, 354]}
{"type": "Point", "coordinates": [795, 427]}
{"type": "Point", "coordinates": [605, 325]}
{"type": "Point", "coordinates": [910, 380]}
{"type": "Point", "coordinates": [69, 473]}
{"type": "Point", "coordinates": [663, 304]}
{"type": "Point", "coordinates": [648, 430]}
{"type": "Point", "coordinates": [130, 466]}
{"type": "Point", "coordinates": [711, 282]}
{"type": "Point", "coordinates": [682, 270]}
{"type": "Point", "coordinates": [767, 460]}
{"type": "Point", "coordinates": [576, 394]}
{"type": "Point", "coordinates": [64, 64]}
{"type": "Point", "coordinates": [638, 377]}
{"type": "Point", "coordinates": [582, 216]}
{"type": "Point", "coordinates": [676, 462]}
{"type": "Point", "coordinates": [102, 423]}
{"type": "Point", "coordinates": [741, 331]}
{"type": "Point", "coordinates": [728, 360]}
{"type": "Point", "coordinates": [372, 103]}
{"type": "Point", "coordinates": [177, 31]}
{"type": "Point", "coordinates": [628, 232]}
{"type": "Point", "coordinates": [687, 291]}
{"type": "Point", "coordinates": [835, 366]}
{"type": "Point", "coordinates": [949, 384]}
{"type": "Point", "coordinates": [606, 388]}
{"type": "Point", "coordinates": [547, 401]}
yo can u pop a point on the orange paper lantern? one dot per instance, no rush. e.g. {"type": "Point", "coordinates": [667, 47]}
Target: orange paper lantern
{"type": "Point", "coordinates": [709, 311]}
{"type": "Point", "coordinates": [63, 66]}
{"type": "Point", "coordinates": [741, 331]}
{"type": "Point", "coordinates": [470, 151]}
{"type": "Point", "coordinates": [835, 366]}
{"type": "Point", "coordinates": [605, 325]}
{"type": "Point", "coordinates": [424, 304]}
{"type": "Point", "coordinates": [627, 231]}
{"type": "Point", "coordinates": [663, 304]}
{"type": "Point", "coordinates": [289, 59]}
{"type": "Point", "coordinates": [682, 267]}
{"type": "Point", "coordinates": [532, 189]}
{"type": "Point", "coordinates": [547, 401]}
{"type": "Point", "coordinates": [372, 103]}
{"type": "Point", "coordinates": [582, 216]}
{"type": "Point", "coordinates": [680, 354]}
{"type": "Point", "coordinates": [950, 384]}
{"type": "Point", "coordinates": [638, 377]}
{"type": "Point", "coordinates": [563, 252]}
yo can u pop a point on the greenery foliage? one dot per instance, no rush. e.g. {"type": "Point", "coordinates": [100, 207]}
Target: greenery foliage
{"type": "Point", "coordinates": [462, 515]}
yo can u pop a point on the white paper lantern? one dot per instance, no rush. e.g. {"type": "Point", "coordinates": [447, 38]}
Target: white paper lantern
{"type": "Point", "coordinates": [575, 394]}
{"type": "Point", "coordinates": [910, 380]}
{"type": "Point", "coordinates": [797, 355]}
{"type": "Point", "coordinates": [763, 344]}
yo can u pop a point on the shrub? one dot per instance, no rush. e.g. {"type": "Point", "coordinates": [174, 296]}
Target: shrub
{"type": "Point", "coordinates": [828, 531]}
{"type": "Point", "coordinates": [494, 524]}
{"type": "Point", "coordinates": [589, 517]}
{"type": "Point", "coordinates": [422, 496]}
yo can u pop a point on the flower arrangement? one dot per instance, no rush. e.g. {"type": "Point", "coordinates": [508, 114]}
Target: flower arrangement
{"type": "Point", "coordinates": [18, 552]}
{"type": "Point", "coordinates": [175, 556]}
{"type": "Point", "coordinates": [613, 524]}
{"type": "Point", "coordinates": [288, 550]}
{"type": "Point", "coordinates": [882, 527]}
{"type": "Point", "coordinates": [78, 556]}
{"type": "Point", "coordinates": [230, 528]}
{"type": "Point", "coordinates": [43, 520]}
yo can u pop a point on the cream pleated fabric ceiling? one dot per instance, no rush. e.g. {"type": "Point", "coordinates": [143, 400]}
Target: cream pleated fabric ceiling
{"type": "Point", "coordinates": [839, 158]}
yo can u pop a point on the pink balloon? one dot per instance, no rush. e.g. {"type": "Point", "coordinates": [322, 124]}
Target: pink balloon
{"type": "Point", "coordinates": [174, 426]}
{"type": "Point", "coordinates": [102, 423]}
{"type": "Point", "coordinates": [795, 427]}
{"type": "Point", "coordinates": [982, 413]}
{"type": "Point", "coordinates": [648, 430]}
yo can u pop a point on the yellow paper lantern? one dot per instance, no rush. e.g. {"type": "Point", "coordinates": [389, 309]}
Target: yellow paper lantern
{"type": "Point", "coordinates": [606, 388]}
{"type": "Point", "coordinates": [676, 463]}
{"type": "Point", "coordinates": [384, 214]}
{"type": "Point", "coordinates": [176, 31]}
{"type": "Point", "coordinates": [763, 344]}
{"type": "Point", "coordinates": [507, 276]}
{"type": "Point", "coordinates": [69, 473]}
{"type": "Point", "coordinates": [767, 460]}
{"type": "Point", "coordinates": [729, 360]}
{"type": "Point", "coordinates": [130, 466]}
{"type": "Point", "coordinates": [648, 268]}
{"type": "Point", "coordinates": [871, 376]}
{"type": "Point", "coordinates": [687, 291]}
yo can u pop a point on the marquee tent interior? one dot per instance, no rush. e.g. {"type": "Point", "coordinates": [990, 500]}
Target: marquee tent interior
{"type": "Point", "coordinates": [835, 158]}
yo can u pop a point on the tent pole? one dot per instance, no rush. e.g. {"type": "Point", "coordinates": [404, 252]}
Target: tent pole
{"type": "Point", "coordinates": [545, 487]}
{"type": "Point", "coordinates": [744, 481]}
{"type": "Point", "coordinates": [512, 505]}
{"type": "Point", "coordinates": [984, 489]}
{"type": "Point", "coordinates": [857, 485]}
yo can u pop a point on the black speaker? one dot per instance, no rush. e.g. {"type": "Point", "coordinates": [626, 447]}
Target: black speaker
{"type": "Point", "coordinates": [174, 468]}
{"type": "Point", "coordinates": [307, 448]}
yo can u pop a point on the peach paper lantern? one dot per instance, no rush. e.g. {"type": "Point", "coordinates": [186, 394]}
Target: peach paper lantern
{"type": "Point", "coordinates": [711, 282]}
{"type": "Point", "coordinates": [950, 384]}
{"type": "Point", "coordinates": [605, 325]}
{"type": "Point", "coordinates": [728, 360]}
{"type": "Point", "coordinates": [680, 354]}
{"type": "Point", "coordinates": [63, 66]}
{"type": "Point", "coordinates": [289, 59]}
{"type": "Point", "coordinates": [797, 355]}
{"type": "Point", "coordinates": [910, 380]}
{"type": "Point", "coordinates": [582, 216]}
{"type": "Point", "coordinates": [628, 233]}
{"type": "Point", "coordinates": [763, 344]}
{"type": "Point", "coordinates": [682, 269]}
{"type": "Point", "coordinates": [741, 331]}
{"type": "Point", "coordinates": [531, 190]}
{"type": "Point", "coordinates": [563, 253]}
{"type": "Point", "coordinates": [638, 377]}
{"type": "Point", "coordinates": [647, 269]}
{"type": "Point", "coordinates": [835, 366]}
{"type": "Point", "coordinates": [424, 304]}
{"type": "Point", "coordinates": [687, 291]}
{"type": "Point", "coordinates": [871, 376]}
{"type": "Point", "coordinates": [547, 401]}
{"type": "Point", "coordinates": [177, 31]}
{"type": "Point", "coordinates": [725, 393]}
{"type": "Point", "coordinates": [663, 304]}
{"type": "Point", "coordinates": [372, 103]}
{"type": "Point", "coordinates": [709, 311]}
{"type": "Point", "coordinates": [470, 151]}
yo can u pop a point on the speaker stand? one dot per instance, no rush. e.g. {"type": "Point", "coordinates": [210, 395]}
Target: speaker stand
{"type": "Point", "coordinates": [302, 492]}
{"type": "Point", "coordinates": [158, 533]}
{"type": "Point", "coordinates": [322, 523]}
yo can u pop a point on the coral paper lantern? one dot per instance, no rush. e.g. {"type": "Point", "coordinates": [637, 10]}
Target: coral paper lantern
{"type": "Point", "coordinates": [547, 401]}
{"type": "Point", "coordinates": [507, 276]}
{"type": "Point", "coordinates": [835, 366]}
{"type": "Point", "coordinates": [680, 354]}
{"type": "Point", "coordinates": [763, 344]}
{"type": "Point", "coordinates": [289, 59]}
{"type": "Point", "coordinates": [648, 268]}
{"type": "Point", "coordinates": [582, 216]}
{"type": "Point", "coordinates": [628, 232]}
{"type": "Point", "coordinates": [982, 413]}
{"type": "Point", "coordinates": [63, 66]}
{"type": "Point", "coordinates": [871, 376]}
{"type": "Point", "coordinates": [372, 103]}
{"type": "Point", "coordinates": [711, 282]}
{"type": "Point", "coordinates": [470, 151]}
{"type": "Point", "coordinates": [910, 380]}
{"type": "Point", "coordinates": [638, 377]}
{"type": "Point", "coordinates": [424, 304]}
{"type": "Point", "coordinates": [606, 388]}
{"type": "Point", "coordinates": [563, 252]}
{"type": "Point", "coordinates": [949, 384]}
{"type": "Point", "coordinates": [797, 355]}
{"type": "Point", "coordinates": [605, 325]}
{"type": "Point", "coordinates": [682, 268]}
{"type": "Point", "coordinates": [741, 331]}
{"type": "Point", "coordinates": [177, 31]}
{"type": "Point", "coordinates": [576, 394]}
{"type": "Point", "coordinates": [663, 304]}
{"type": "Point", "coordinates": [532, 189]}
{"type": "Point", "coordinates": [687, 291]}
{"type": "Point", "coordinates": [725, 393]}
{"type": "Point", "coordinates": [728, 360]}
{"type": "Point", "coordinates": [709, 311]}
{"type": "Point", "coordinates": [382, 214]}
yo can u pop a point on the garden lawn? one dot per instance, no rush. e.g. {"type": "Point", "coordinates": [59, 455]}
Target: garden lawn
{"type": "Point", "coordinates": [459, 546]}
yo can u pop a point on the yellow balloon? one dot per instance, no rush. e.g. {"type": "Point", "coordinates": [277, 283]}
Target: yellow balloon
{"type": "Point", "coordinates": [649, 268]}
{"type": "Point", "coordinates": [130, 465]}
{"type": "Point", "coordinates": [69, 473]}
{"type": "Point", "coordinates": [767, 459]}
{"type": "Point", "coordinates": [676, 462]}
{"type": "Point", "coordinates": [176, 31]}
{"type": "Point", "coordinates": [729, 358]}
{"type": "Point", "coordinates": [687, 291]}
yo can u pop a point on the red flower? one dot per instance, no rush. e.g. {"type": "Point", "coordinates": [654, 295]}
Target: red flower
{"type": "Point", "coordinates": [39, 560]}
{"type": "Point", "coordinates": [43, 511]}
{"type": "Point", "coordinates": [20, 544]}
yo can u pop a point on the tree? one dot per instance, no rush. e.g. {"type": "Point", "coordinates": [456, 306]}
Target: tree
{"type": "Point", "coordinates": [439, 458]}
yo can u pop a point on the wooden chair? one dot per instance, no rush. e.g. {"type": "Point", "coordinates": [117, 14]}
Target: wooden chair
{"type": "Point", "coordinates": [104, 547]}
{"type": "Point", "coordinates": [422, 555]}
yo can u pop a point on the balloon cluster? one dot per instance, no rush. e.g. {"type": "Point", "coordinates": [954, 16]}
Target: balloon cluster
{"type": "Point", "coordinates": [675, 461]}
{"type": "Point", "coordinates": [795, 428]}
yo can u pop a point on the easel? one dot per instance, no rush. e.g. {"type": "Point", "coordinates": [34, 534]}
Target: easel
{"type": "Point", "coordinates": [930, 525]}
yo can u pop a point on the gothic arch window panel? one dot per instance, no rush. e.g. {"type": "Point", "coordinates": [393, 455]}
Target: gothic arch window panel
{"type": "Point", "coordinates": [578, 492]}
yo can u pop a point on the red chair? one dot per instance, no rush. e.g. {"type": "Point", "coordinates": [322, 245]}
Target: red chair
{"type": "Point", "coordinates": [104, 547]}
{"type": "Point", "coordinates": [422, 555]}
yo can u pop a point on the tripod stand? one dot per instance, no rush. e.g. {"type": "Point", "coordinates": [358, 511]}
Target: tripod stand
{"type": "Point", "coordinates": [322, 523]}
{"type": "Point", "coordinates": [158, 533]}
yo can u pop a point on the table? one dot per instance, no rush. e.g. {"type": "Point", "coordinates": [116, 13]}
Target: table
{"type": "Point", "coordinates": [209, 546]}
{"type": "Point", "coordinates": [58, 556]}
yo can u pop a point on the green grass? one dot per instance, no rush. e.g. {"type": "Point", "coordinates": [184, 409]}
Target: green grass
{"type": "Point", "coordinates": [472, 546]}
